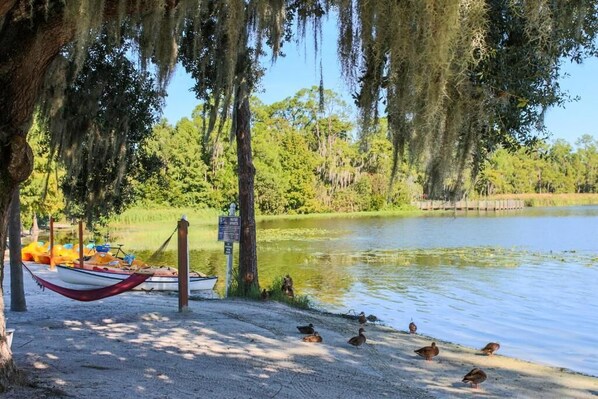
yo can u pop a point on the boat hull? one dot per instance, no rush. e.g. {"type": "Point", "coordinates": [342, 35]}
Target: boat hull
{"type": "Point", "coordinates": [99, 278]}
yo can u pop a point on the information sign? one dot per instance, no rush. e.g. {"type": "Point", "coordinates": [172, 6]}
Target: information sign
{"type": "Point", "coordinates": [229, 228]}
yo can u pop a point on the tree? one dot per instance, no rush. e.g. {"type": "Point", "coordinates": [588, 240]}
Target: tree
{"type": "Point", "coordinates": [458, 80]}
{"type": "Point", "coordinates": [40, 194]}
{"type": "Point", "coordinates": [35, 34]}
{"type": "Point", "coordinates": [17, 293]}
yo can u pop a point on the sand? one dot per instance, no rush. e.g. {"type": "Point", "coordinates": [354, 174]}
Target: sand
{"type": "Point", "coordinates": [137, 345]}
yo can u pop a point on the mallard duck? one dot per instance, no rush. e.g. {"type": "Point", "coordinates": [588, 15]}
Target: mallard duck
{"type": "Point", "coordinates": [412, 327]}
{"type": "Point", "coordinates": [265, 295]}
{"type": "Point", "coordinates": [315, 337]}
{"type": "Point", "coordinates": [359, 339]}
{"type": "Point", "coordinates": [309, 329]}
{"type": "Point", "coordinates": [490, 348]}
{"type": "Point", "coordinates": [362, 319]}
{"type": "Point", "coordinates": [475, 377]}
{"type": "Point", "coordinates": [428, 352]}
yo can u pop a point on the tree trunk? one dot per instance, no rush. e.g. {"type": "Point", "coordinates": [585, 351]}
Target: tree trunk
{"type": "Point", "coordinates": [27, 47]}
{"type": "Point", "coordinates": [32, 34]}
{"type": "Point", "coordinates": [34, 228]}
{"type": "Point", "coordinates": [17, 291]}
{"type": "Point", "coordinates": [248, 276]}
{"type": "Point", "coordinates": [8, 370]}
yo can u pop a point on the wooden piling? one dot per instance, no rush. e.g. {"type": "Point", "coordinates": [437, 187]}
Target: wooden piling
{"type": "Point", "coordinates": [81, 254]}
{"type": "Point", "coordinates": [52, 267]}
{"type": "Point", "coordinates": [183, 262]}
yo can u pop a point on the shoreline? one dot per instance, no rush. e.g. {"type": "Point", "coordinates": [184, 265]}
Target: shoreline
{"type": "Point", "coordinates": [138, 344]}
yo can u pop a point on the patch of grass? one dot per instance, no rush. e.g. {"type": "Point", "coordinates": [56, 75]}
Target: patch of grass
{"type": "Point", "coordinates": [407, 210]}
{"type": "Point", "coordinates": [276, 294]}
{"type": "Point", "coordinates": [147, 215]}
{"type": "Point", "coordinates": [534, 199]}
{"type": "Point", "coordinates": [274, 291]}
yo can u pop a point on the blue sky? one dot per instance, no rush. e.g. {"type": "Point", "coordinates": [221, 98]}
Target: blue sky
{"type": "Point", "coordinates": [299, 69]}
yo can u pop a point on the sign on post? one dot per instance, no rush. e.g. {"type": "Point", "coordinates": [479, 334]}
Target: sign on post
{"type": "Point", "coordinates": [229, 228]}
{"type": "Point", "coordinates": [229, 231]}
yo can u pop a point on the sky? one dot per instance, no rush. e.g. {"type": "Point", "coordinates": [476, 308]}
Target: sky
{"type": "Point", "coordinates": [299, 69]}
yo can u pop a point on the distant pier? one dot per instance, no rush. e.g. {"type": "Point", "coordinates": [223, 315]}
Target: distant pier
{"type": "Point", "coordinates": [470, 205]}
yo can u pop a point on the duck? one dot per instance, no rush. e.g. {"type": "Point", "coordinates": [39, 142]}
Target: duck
{"type": "Point", "coordinates": [309, 329]}
{"type": "Point", "coordinates": [490, 348]}
{"type": "Point", "coordinates": [315, 337]}
{"type": "Point", "coordinates": [476, 376]}
{"type": "Point", "coordinates": [372, 318]}
{"type": "Point", "coordinates": [359, 339]}
{"type": "Point", "coordinates": [428, 352]}
{"type": "Point", "coordinates": [412, 327]}
{"type": "Point", "coordinates": [362, 319]}
{"type": "Point", "coordinates": [265, 295]}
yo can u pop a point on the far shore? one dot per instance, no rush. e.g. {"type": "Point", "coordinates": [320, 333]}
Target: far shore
{"type": "Point", "coordinates": [137, 345]}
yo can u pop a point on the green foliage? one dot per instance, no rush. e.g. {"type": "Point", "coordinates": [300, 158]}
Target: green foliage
{"type": "Point", "coordinates": [107, 114]}
{"type": "Point", "coordinates": [40, 194]}
{"type": "Point", "coordinates": [307, 160]}
{"type": "Point", "coordinates": [543, 168]}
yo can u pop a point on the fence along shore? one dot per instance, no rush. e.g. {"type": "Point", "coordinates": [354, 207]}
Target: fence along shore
{"type": "Point", "coordinates": [470, 205]}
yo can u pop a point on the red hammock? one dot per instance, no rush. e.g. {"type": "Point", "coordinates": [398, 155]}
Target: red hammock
{"type": "Point", "coordinates": [93, 294]}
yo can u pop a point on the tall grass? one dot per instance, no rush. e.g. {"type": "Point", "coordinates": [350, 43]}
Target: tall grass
{"type": "Point", "coordinates": [534, 199]}
{"type": "Point", "coordinates": [144, 215]}
{"type": "Point", "coordinates": [407, 210]}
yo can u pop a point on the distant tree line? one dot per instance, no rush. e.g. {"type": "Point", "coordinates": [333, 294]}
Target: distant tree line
{"type": "Point", "coordinates": [310, 158]}
{"type": "Point", "coordinates": [544, 168]}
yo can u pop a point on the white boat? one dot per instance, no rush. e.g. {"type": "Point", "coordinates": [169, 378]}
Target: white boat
{"type": "Point", "coordinates": [103, 278]}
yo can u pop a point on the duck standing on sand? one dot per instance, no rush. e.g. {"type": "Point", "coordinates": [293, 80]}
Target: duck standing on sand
{"type": "Point", "coordinates": [412, 327]}
{"type": "Point", "coordinates": [490, 348]}
{"type": "Point", "coordinates": [359, 339]}
{"type": "Point", "coordinates": [362, 319]}
{"type": "Point", "coordinates": [315, 337]}
{"type": "Point", "coordinates": [475, 377]}
{"type": "Point", "coordinates": [428, 352]}
{"type": "Point", "coordinates": [309, 329]}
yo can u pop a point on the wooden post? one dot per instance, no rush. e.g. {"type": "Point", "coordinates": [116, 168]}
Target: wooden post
{"type": "Point", "coordinates": [51, 243]}
{"type": "Point", "coordinates": [81, 258]}
{"type": "Point", "coordinates": [183, 249]}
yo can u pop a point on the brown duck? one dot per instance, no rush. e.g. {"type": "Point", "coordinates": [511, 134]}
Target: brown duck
{"type": "Point", "coordinates": [491, 348]}
{"type": "Point", "coordinates": [362, 319]}
{"type": "Point", "coordinates": [412, 328]}
{"type": "Point", "coordinates": [309, 329]}
{"type": "Point", "coordinates": [475, 377]}
{"type": "Point", "coordinates": [265, 295]}
{"type": "Point", "coordinates": [359, 339]}
{"type": "Point", "coordinates": [315, 337]}
{"type": "Point", "coordinates": [428, 352]}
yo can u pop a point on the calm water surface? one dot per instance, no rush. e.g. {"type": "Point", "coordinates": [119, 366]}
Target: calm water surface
{"type": "Point", "coordinates": [527, 279]}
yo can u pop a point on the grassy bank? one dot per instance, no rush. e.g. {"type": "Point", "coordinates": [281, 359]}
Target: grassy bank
{"type": "Point", "coordinates": [534, 199]}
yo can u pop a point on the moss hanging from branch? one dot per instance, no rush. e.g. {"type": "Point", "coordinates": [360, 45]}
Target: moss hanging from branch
{"type": "Point", "coordinates": [458, 77]}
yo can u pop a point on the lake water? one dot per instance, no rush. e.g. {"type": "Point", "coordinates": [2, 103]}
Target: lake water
{"type": "Point", "coordinates": [527, 279]}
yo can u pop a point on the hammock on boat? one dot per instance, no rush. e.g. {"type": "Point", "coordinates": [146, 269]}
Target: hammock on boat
{"type": "Point", "coordinates": [93, 294]}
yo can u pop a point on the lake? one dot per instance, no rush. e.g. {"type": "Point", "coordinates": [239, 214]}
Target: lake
{"type": "Point", "coordinates": [526, 279]}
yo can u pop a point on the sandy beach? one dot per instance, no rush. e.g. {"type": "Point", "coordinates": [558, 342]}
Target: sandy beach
{"type": "Point", "coordinates": [137, 345]}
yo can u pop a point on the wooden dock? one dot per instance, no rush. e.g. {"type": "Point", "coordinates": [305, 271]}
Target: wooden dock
{"type": "Point", "coordinates": [471, 205]}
